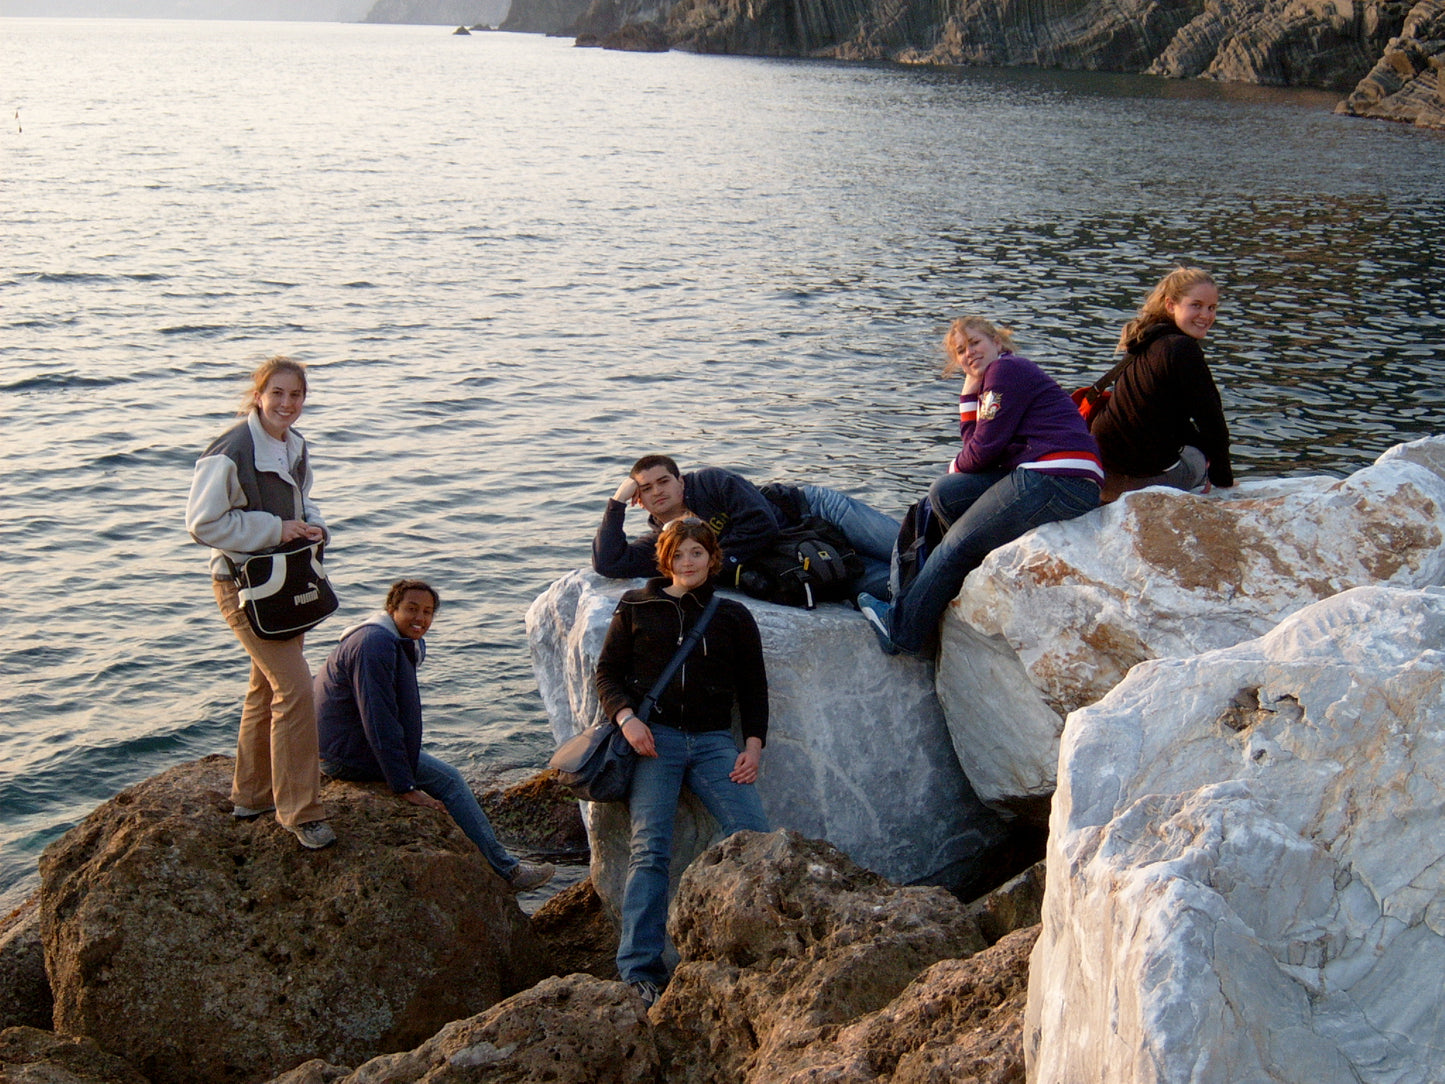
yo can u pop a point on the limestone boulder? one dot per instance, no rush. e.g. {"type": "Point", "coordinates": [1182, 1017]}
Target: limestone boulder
{"type": "Point", "coordinates": [1054, 620]}
{"type": "Point", "coordinates": [25, 999]}
{"type": "Point", "coordinates": [1405, 84]}
{"type": "Point", "coordinates": [857, 750]}
{"type": "Point", "coordinates": [203, 948]}
{"type": "Point", "coordinates": [34, 1056]}
{"type": "Point", "coordinates": [782, 939]}
{"type": "Point", "coordinates": [570, 1030]}
{"type": "Point", "coordinates": [1246, 873]}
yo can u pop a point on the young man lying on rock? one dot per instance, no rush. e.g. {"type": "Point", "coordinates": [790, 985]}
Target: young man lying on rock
{"type": "Point", "coordinates": [746, 521]}
{"type": "Point", "coordinates": [368, 712]}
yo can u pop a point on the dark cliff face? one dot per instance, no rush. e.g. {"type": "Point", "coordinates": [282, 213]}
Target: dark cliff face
{"type": "Point", "coordinates": [1314, 43]}
{"type": "Point", "coordinates": [545, 16]}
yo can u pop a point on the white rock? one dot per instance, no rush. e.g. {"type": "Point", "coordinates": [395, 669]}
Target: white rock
{"type": "Point", "coordinates": [1054, 620]}
{"type": "Point", "coordinates": [857, 752]}
{"type": "Point", "coordinates": [1246, 867]}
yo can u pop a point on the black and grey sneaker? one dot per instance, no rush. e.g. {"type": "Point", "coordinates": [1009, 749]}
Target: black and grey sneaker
{"type": "Point", "coordinates": [648, 991]}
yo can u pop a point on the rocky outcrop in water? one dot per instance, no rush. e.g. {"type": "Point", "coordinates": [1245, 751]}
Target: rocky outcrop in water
{"type": "Point", "coordinates": [1245, 864]}
{"type": "Point", "coordinates": [544, 16]}
{"type": "Point", "coordinates": [203, 948]}
{"type": "Point", "coordinates": [1406, 84]}
{"type": "Point", "coordinates": [1311, 43]}
{"type": "Point", "coordinates": [1053, 621]}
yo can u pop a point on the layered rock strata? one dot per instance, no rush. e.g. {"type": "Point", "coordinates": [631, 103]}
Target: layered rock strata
{"type": "Point", "coordinates": [1405, 85]}
{"type": "Point", "coordinates": [1246, 874]}
{"type": "Point", "coordinates": [1054, 620]}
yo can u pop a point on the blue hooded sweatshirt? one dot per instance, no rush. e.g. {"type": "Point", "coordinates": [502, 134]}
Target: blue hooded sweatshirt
{"type": "Point", "coordinates": [368, 706]}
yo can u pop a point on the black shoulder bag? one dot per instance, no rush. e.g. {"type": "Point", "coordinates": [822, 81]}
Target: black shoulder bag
{"type": "Point", "coordinates": [596, 765]}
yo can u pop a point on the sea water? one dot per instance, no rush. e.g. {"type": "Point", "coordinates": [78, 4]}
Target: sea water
{"type": "Point", "coordinates": [514, 266]}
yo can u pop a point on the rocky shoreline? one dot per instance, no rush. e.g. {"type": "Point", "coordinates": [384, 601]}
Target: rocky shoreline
{"type": "Point", "coordinates": [1385, 55]}
{"type": "Point", "coordinates": [1232, 706]}
{"type": "Point", "coordinates": [169, 943]}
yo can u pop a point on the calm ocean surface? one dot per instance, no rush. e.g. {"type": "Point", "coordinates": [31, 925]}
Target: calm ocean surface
{"type": "Point", "coordinates": [514, 265]}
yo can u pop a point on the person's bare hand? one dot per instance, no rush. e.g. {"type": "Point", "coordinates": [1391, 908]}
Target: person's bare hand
{"type": "Point", "coordinates": [627, 491]}
{"type": "Point", "coordinates": [292, 529]}
{"type": "Point", "coordinates": [423, 799]}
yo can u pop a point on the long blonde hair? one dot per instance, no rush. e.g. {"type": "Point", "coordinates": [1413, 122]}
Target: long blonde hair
{"type": "Point", "coordinates": [262, 376]}
{"type": "Point", "coordinates": [1172, 287]}
{"type": "Point", "coordinates": [1002, 335]}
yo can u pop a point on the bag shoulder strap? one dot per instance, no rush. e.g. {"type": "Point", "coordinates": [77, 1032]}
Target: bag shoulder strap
{"type": "Point", "coordinates": [679, 657]}
{"type": "Point", "coordinates": [1113, 374]}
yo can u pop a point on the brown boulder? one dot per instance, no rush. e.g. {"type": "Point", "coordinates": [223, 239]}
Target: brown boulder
{"type": "Point", "coordinates": [203, 948]}
{"type": "Point", "coordinates": [578, 932]}
{"type": "Point", "coordinates": [539, 814]}
{"type": "Point", "coordinates": [960, 1022]}
{"type": "Point", "coordinates": [783, 940]}
{"type": "Point", "coordinates": [1014, 905]}
{"type": "Point", "coordinates": [25, 999]}
{"type": "Point", "coordinates": [33, 1056]}
{"type": "Point", "coordinates": [572, 1030]}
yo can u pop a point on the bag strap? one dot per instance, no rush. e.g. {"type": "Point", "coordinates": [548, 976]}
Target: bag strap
{"type": "Point", "coordinates": [683, 651]}
{"type": "Point", "coordinates": [1113, 374]}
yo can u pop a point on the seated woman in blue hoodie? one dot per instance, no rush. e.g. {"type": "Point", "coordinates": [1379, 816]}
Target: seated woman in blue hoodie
{"type": "Point", "coordinates": [368, 712]}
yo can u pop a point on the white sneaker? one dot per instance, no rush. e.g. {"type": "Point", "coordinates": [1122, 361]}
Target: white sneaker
{"type": "Point", "coordinates": [314, 835]}
{"type": "Point", "coordinates": [246, 813]}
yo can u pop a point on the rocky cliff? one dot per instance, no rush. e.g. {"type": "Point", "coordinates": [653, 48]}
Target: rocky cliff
{"type": "Point", "coordinates": [439, 12]}
{"type": "Point", "coordinates": [1341, 45]}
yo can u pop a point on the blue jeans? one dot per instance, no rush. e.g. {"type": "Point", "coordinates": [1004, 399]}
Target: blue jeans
{"type": "Point", "coordinates": [446, 785]}
{"type": "Point", "coordinates": [702, 762]}
{"type": "Point", "coordinates": [983, 511]}
{"type": "Point", "coordinates": [868, 531]}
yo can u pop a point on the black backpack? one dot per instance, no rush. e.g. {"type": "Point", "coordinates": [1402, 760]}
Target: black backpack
{"type": "Point", "coordinates": [921, 531]}
{"type": "Point", "coordinates": [811, 562]}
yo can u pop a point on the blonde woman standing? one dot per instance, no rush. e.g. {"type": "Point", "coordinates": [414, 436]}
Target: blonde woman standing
{"type": "Point", "coordinates": [251, 492]}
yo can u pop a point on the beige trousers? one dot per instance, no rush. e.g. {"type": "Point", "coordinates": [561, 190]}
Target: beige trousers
{"type": "Point", "coordinates": [277, 759]}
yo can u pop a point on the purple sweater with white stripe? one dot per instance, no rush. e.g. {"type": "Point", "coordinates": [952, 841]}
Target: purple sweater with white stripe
{"type": "Point", "coordinates": [1022, 418]}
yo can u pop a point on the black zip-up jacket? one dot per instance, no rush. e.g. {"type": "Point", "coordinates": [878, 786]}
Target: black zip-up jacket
{"type": "Point", "coordinates": [745, 521]}
{"type": "Point", "coordinates": [725, 667]}
{"type": "Point", "coordinates": [1164, 400]}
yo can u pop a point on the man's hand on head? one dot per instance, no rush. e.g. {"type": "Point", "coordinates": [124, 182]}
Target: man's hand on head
{"type": "Point", "coordinates": [627, 491]}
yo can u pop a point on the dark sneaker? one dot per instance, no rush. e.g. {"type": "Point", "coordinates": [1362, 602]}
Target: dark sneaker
{"type": "Point", "coordinates": [877, 612]}
{"type": "Point", "coordinates": [314, 835]}
{"type": "Point", "coordinates": [648, 991]}
{"type": "Point", "coordinates": [530, 875]}
{"type": "Point", "coordinates": [246, 813]}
